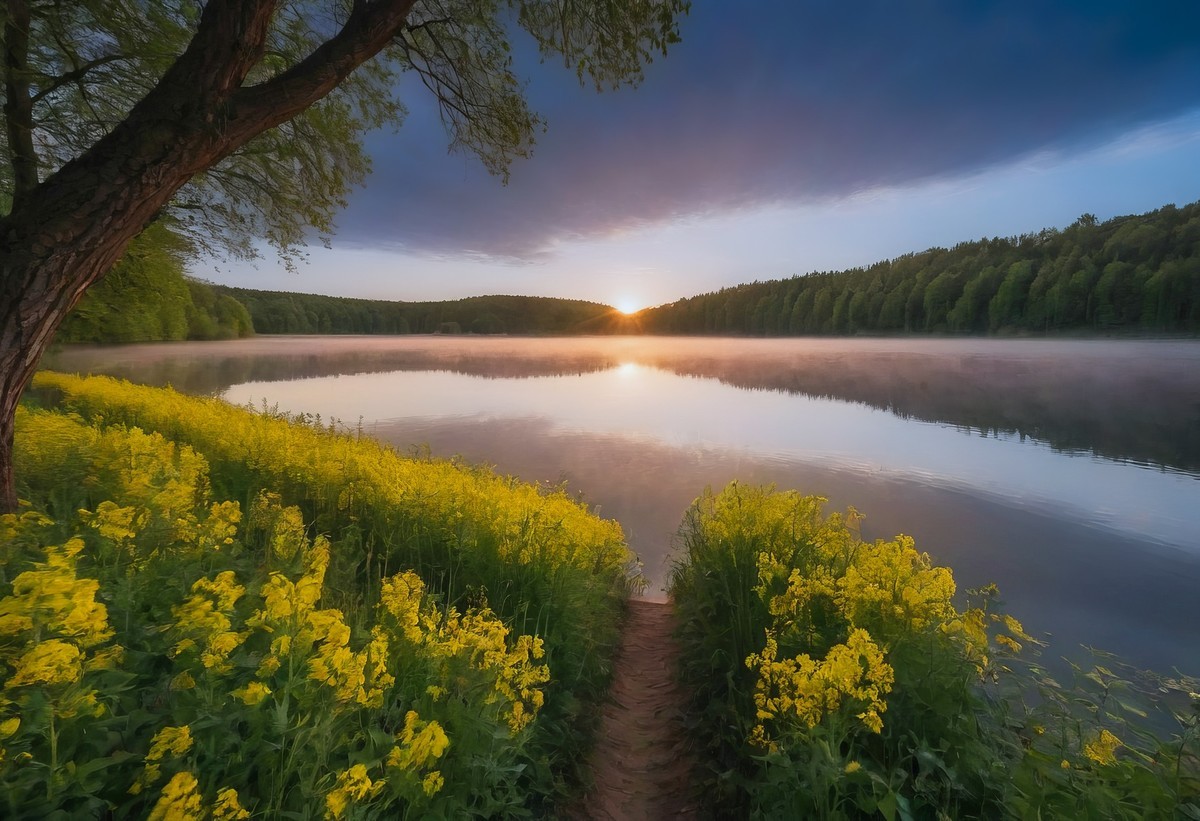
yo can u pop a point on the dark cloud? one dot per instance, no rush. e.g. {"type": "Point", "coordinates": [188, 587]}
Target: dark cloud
{"type": "Point", "coordinates": [769, 102]}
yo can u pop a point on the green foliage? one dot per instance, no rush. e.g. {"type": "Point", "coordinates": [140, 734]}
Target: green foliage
{"type": "Point", "coordinates": [89, 62]}
{"type": "Point", "coordinates": [833, 678]}
{"type": "Point", "coordinates": [216, 315]}
{"type": "Point", "coordinates": [482, 544]}
{"type": "Point", "coordinates": [274, 312]}
{"type": "Point", "coordinates": [146, 297]}
{"type": "Point", "coordinates": [1129, 274]}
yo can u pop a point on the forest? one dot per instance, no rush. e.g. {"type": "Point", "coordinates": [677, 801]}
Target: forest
{"type": "Point", "coordinates": [275, 312]}
{"type": "Point", "coordinates": [1128, 274]}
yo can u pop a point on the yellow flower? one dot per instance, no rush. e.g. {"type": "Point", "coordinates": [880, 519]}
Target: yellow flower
{"type": "Point", "coordinates": [13, 624]}
{"type": "Point", "coordinates": [400, 597]}
{"type": "Point", "coordinates": [352, 785]}
{"type": "Point", "coordinates": [808, 690]}
{"type": "Point", "coordinates": [335, 664]}
{"type": "Point", "coordinates": [118, 524]}
{"type": "Point", "coordinates": [267, 667]}
{"type": "Point", "coordinates": [287, 535]}
{"type": "Point", "coordinates": [376, 678]}
{"type": "Point", "coordinates": [9, 726]}
{"type": "Point", "coordinates": [252, 694]}
{"type": "Point", "coordinates": [891, 583]}
{"type": "Point", "coordinates": [421, 742]}
{"type": "Point", "coordinates": [220, 527]}
{"type": "Point", "coordinates": [148, 776]}
{"type": "Point", "coordinates": [52, 599]}
{"type": "Point", "coordinates": [169, 742]}
{"type": "Point", "coordinates": [970, 630]}
{"type": "Point", "coordinates": [203, 621]}
{"type": "Point", "coordinates": [227, 807]}
{"type": "Point", "coordinates": [1064, 764]}
{"type": "Point", "coordinates": [853, 767]}
{"type": "Point", "coordinates": [179, 800]}
{"type": "Point", "coordinates": [1102, 749]}
{"type": "Point", "coordinates": [1013, 626]}
{"type": "Point", "coordinates": [109, 658]}
{"type": "Point", "coordinates": [50, 662]}
{"type": "Point", "coordinates": [432, 783]}
{"type": "Point", "coordinates": [223, 589]}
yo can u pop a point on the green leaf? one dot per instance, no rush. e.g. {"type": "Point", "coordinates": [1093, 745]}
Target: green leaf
{"type": "Point", "coordinates": [887, 807]}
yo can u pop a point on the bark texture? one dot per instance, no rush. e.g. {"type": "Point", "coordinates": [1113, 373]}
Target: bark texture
{"type": "Point", "coordinates": [67, 231]}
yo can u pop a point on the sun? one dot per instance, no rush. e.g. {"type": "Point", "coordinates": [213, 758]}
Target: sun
{"type": "Point", "coordinates": [628, 305]}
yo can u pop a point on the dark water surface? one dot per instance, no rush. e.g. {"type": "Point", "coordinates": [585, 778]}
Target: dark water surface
{"type": "Point", "coordinates": [1067, 472]}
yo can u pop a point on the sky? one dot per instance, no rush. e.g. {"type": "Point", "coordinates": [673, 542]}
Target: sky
{"type": "Point", "coordinates": [780, 138]}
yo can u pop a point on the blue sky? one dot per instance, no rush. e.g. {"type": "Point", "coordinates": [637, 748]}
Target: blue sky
{"type": "Point", "coordinates": [780, 138]}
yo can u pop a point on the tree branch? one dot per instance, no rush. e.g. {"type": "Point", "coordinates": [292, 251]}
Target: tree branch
{"type": "Point", "coordinates": [75, 75]}
{"type": "Point", "coordinates": [18, 104]}
{"type": "Point", "coordinates": [438, 21]}
{"type": "Point", "coordinates": [229, 42]}
{"type": "Point", "coordinates": [372, 24]}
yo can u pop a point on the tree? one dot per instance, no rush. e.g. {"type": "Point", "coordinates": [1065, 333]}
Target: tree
{"type": "Point", "coordinates": [232, 119]}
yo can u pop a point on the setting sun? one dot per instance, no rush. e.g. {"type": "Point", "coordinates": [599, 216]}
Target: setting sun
{"type": "Point", "coordinates": [628, 305]}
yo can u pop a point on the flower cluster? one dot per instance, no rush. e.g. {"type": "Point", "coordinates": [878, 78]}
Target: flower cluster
{"type": "Point", "coordinates": [168, 743]}
{"type": "Point", "coordinates": [51, 632]}
{"type": "Point", "coordinates": [204, 623]}
{"type": "Point", "coordinates": [294, 644]}
{"type": "Point", "coordinates": [809, 690]}
{"type": "Point", "coordinates": [838, 604]}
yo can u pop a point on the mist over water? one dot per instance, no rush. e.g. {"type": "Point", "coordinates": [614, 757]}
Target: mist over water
{"type": "Point", "coordinates": [1068, 472]}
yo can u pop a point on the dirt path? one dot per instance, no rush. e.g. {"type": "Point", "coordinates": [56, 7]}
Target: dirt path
{"type": "Point", "coordinates": [639, 764]}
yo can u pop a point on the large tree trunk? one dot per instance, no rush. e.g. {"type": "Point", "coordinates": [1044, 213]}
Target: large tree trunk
{"type": "Point", "coordinates": [67, 232]}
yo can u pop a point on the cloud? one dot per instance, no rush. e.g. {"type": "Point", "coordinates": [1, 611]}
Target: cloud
{"type": "Point", "coordinates": [773, 102]}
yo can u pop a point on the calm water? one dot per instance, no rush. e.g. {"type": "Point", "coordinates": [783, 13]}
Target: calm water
{"type": "Point", "coordinates": [1066, 472]}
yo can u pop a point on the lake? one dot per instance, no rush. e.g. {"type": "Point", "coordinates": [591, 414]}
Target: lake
{"type": "Point", "coordinates": [1067, 472]}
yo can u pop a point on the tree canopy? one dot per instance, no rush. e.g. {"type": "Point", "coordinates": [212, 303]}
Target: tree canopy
{"type": "Point", "coordinates": [230, 120]}
{"type": "Point", "coordinates": [1128, 274]}
{"type": "Point", "coordinates": [274, 312]}
{"type": "Point", "coordinates": [76, 70]}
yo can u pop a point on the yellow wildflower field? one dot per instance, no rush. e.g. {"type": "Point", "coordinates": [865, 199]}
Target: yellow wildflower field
{"type": "Point", "coordinates": [211, 612]}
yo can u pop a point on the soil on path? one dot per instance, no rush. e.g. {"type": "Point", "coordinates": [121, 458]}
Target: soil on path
{"type": "Point", "coordinates": [640, 766]}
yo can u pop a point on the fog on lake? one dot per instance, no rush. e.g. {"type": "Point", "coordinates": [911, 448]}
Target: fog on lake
{"type": "Point", "coordinates": [1067, 472]}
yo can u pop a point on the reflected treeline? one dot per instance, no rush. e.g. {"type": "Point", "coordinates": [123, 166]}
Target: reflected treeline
{"type": "Point", "coordinates": [1144, 410]}
{"type": "Point", "coordinates": [1125, 401]}
{"type": "Point", "coordinates": [212, 375]}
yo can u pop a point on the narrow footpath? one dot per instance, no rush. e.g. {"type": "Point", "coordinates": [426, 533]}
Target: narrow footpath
{"type": "Point", "coordinates": [639, 766]}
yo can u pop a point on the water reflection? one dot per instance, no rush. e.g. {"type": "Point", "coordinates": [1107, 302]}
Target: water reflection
{"type": "Point", "coordinates": [1082, 584]}
{"type": "Point", "coordinates": [1018, 462]}
{"type": "Point", "coordinates": [1128, 400]}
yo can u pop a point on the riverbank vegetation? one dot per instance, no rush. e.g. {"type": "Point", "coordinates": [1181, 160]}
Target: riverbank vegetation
{"type": "Point", "coordinates": [206, 610]}
{"type": "Point", "coordinates": [210, 610]}
{"type": "Point", "coordinates": [147, 297]}
{"type": "Point", "coordinates": [1127, 274]}
{"type": "Point", "coordinates": [834, 678]}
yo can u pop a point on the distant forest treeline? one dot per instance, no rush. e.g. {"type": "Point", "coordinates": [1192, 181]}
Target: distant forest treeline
{"type": "Point", "coordinates": [1136, 273]}
{"type": "Point", "coordinates": [275, 312]}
